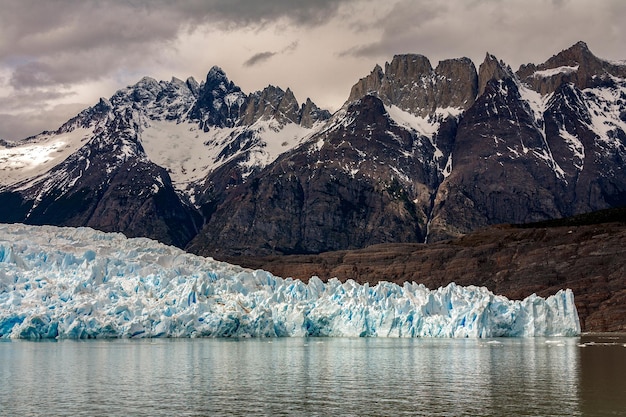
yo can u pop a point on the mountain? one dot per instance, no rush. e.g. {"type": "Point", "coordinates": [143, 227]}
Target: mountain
{"type": "Point", "coordinates": [420, 154]}
{"type": "Point", "coordinates": [416, 154]}
{"type": "Point", "coordinates": [139, 162]}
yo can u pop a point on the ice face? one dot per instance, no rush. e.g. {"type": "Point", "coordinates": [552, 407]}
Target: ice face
{"type": "Point", "coordinates": [80, 283]}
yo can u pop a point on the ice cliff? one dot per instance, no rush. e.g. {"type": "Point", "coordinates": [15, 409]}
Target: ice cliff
{"type": "Point", "coordinates": [80, 283]}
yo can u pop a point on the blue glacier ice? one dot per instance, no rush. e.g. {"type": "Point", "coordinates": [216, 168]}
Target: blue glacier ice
{"type": "Point", "coordinates": [79, 283]}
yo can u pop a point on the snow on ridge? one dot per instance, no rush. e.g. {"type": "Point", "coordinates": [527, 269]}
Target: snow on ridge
{"type": "Point", "coordinates": [80, 283]}
{"type": "Point", "coordinates": [576, 146]}
{"type": "Point", "coordinates": [537, 105]}
{"type": "Point", "coordinates": [555, 71]}
{"type": "Point", "coordinates": [32, 159]}
{"type": "Point", "coordinates": [421, 125]}
{"type": "Point", "coordinates": [190, 154]}
{"type": "Point", "coordinates": [536, 102]}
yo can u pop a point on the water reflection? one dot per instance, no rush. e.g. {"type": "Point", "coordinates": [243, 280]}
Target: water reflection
{"type": "Point", "coordinates": [311, 377]}
{"type": "Point", "coordinates": [603, 375]}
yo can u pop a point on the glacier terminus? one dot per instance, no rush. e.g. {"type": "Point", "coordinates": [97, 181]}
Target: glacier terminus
{"type": "Point", "coordinates": [78, 283]}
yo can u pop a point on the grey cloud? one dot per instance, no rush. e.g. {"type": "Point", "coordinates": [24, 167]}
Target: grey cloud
{"type": "Point", "coordinates": [400, 28]}
{"type": "Point", "coordinates": [16, 127]}
{"type": "Point", "coordinates": [31, 99]}
{"type": "Point", "coordinates": [258, 58]}
{"type": "Point", "coordinates": [34, 34]}
{"type": "Point", "coordinates": [290, 48]}
{"type": "Point", "coordinates": [301, 12]}
{"type": "Point", "coordinates": [515, 31]}
{"type": "Point", "coordinates": [264, 56]}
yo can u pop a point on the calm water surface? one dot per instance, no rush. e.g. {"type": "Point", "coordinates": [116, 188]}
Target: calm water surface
{"type": "Point", "coordinates": [326, 377]}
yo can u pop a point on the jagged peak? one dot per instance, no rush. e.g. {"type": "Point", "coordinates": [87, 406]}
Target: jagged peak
{"type": "Point", "coordinates": [146, 81]}
{"type": "Point", "coordinates": [103, 104]}
{"type": "Point", "coordinates": [582, 45]}
{"type": "Point", "coordinates": [368, 84]}
{"type": "Point", "coordinates": [492, 69]}
{"type": "Point", "coordinates": [215, 73]}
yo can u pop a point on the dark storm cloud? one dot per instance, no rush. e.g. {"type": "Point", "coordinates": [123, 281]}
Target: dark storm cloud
{"type": "Point", "coordinates": [38, 38]}
{"type": "Point", "coordinates": [516, 31]}
{"type": "Point", "coordinates": [258, 58]}
{"type": "Point", "coordinates": [265, 56]}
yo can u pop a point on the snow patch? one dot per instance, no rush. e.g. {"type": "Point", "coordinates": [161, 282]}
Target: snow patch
{"type": "Point", "coordinates": [190, 154]}
{"type": "Point", "coordinates": [576, 146]}
{"type": "Point", "coordinates": [423, 126]}
{"type": "Point", "coordinates": [555, 71]}
{"type": "Point", "coordinates": [448, 168]}
{"type": "Point", "coordinates": [605, 109]}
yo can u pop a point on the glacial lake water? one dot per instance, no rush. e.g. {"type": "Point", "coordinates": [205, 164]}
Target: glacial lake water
{"type": "Point", "coordinates": [315, 377]}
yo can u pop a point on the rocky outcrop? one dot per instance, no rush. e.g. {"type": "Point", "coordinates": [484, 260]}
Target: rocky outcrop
{"type": "Point", "coordinates": [282, 106]}
{"type": "Point", "coordinates": [410, 83]}
{"type": "Point", "coordinates": [516, 262]}
{"type": "Point", "coordinates": [271, 102]}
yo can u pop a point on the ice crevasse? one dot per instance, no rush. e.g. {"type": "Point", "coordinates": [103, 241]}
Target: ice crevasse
{"type": "Point", "coordinates": [80, 283]}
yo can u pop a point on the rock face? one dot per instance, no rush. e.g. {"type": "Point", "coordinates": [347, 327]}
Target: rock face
{"type": "Point", "coordinates": [410, 83]}
{"type": "Point", "coordinates": [516, 262]}
{"type": "Point", "coordinates": [293, 206]}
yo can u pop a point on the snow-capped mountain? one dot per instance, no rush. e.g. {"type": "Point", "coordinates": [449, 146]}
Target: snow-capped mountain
{"type": "Point", "coordinates": [416, 154]}
{"type": "Point", "coordinates": [423, 154]}
{"type": "Point", "coordinates": [138, 162]}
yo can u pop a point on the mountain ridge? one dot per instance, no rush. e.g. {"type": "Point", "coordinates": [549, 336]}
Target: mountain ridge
{"type": "Point", "coordinates": [415, 154]}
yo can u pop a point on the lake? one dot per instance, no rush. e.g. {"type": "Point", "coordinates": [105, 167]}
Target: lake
{"type": "Point", "coordinates": [583, 376]}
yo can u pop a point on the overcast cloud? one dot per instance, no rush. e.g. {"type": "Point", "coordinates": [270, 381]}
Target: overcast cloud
{"type": "Point", "coordinates": [59, 56]}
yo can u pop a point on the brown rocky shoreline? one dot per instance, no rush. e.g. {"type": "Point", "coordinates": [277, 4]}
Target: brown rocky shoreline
{"type": "Point", "coordinates": [585, 253]}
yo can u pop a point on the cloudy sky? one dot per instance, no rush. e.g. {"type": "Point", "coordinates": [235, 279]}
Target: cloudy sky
{"type": "Point", "coordinates": [58, 57]}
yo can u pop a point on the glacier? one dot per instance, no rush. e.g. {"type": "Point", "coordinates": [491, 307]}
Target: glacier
{"type": "Point", "coordinates": [78, 283]}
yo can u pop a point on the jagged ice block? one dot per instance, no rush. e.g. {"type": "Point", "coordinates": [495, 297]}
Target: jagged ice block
{"type": "Point", "coordinates": [79, 283]}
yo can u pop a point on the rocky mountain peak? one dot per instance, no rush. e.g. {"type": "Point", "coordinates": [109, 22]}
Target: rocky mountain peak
{"type": "Point", "coordinates": [492, 69]}
{"type": "Point", "coordinates": [274, 103]}
{"type": "Point", "coordinates": [461, 83]}
{"type": "Point", "coordinates": [310, 114]}
{"type": "Point", "coordinates": [219, 101]}
{"type": "Point", "coordinates": [193, 85]}
{"type": "Point", "coordinates": [216, 74]}
{"type": "Point", "coordinates": [576, 64]}
{"type": "Point", "coordinates": [271, 102]}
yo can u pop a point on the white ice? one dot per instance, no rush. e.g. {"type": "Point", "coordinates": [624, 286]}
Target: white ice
{"type": "Point", "coordinates": [80, 283]}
